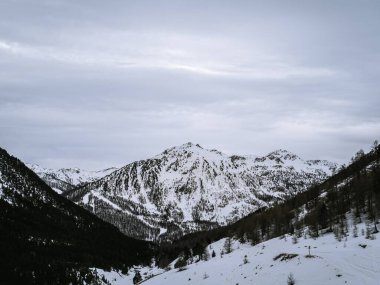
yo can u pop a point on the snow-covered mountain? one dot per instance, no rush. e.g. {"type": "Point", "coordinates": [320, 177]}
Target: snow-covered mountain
{"type": "Point", "coordinates": [189, 188]}
{"type": "Point", "coordinates": [63, 179]}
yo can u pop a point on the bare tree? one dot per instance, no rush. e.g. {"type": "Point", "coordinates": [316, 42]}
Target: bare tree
{"type": "Point", "coordinates": [291, 279]}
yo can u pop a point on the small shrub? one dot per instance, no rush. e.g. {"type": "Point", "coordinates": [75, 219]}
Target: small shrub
{"type": "Point", "coordinates": [291, 279]}
{"type": "Point", "coordinates": [181, 262]}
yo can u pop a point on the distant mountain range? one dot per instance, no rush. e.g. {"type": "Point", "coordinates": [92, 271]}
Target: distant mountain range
{"type": "Point", "coordinates": [64, 179]}
{"type": "Point", "coordinates": [189, 188]}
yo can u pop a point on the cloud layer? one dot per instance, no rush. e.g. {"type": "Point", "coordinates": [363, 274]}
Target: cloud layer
{"type": "Point", "coordinates": [95, 84]}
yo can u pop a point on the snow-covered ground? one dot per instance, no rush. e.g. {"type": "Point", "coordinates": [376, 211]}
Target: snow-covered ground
{"type": "Point", "coordinates": [116, 278]}
{"type": "Point", "coordinates": [350, 261]}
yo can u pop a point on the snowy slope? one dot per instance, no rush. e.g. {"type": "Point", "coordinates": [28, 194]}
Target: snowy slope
{"type": "Point", "coordinates": [63, 179]}
{"type": "Point", "coordinates": [188, 188]}
{"type": "Point", "coordinates": [332, 262]}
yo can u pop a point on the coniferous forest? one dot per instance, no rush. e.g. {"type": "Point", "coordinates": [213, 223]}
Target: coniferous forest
{"type": "Point", "coordinates": [47, 239]}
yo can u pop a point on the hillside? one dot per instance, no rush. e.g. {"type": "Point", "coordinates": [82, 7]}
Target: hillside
{"type": "Point", "coordinates": [47, 239]}
{"type": "Point", "coordinates": [352, 260]}
{"type": "Point", "coordinates": [353, 192]}
{"type": "Point", "coordinates": [189, 188]}
{"type": "Point", "coordinates": [63, 179]}
{"type": "Point", "coordinates": [325, 235]}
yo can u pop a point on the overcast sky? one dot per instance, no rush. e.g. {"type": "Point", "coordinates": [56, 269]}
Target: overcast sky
{"type": "Point", "coordinates": [103, 83]}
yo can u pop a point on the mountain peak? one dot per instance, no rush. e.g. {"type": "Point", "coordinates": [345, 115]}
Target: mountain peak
{"type": "Point", "coordinates": [188, 185]}
{"type": "Point", "coordinates": [189, 145]}
{"type": "Point", "coordinates": [183, 149]}
{"type": "Point", "coordinates": [283, 154]}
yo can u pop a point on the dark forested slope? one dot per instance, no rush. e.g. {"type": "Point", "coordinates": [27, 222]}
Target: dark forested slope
{"type": "Point", "coordinates": [47, 239]}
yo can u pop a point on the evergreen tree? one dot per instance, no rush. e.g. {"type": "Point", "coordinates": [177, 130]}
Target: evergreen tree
{"type": "Point", "coordinates": [355, 231]}
{"type": "Point", "coordinates": [213, 254]}
{"type": "Point", "coordinates": [228, 245]}
{"type": "Point", "coordinates": [205, 254]}
{"type": "Point", "coordinates": [137, 278]}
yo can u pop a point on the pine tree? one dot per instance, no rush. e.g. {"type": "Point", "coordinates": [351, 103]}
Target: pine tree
{"type": "Point", "coordinates": [205, 254]}
{"type": "Point", "coordinates": [355, 231]}
{"type": "Point", "coordinates": [368, 232]}
{"type": "Point", "coordinates": [137, 278]}
{"type": "Point", "coordinates": [375, 145]}
{"type": "Point", "coordinates": [213, 254]}
{"type": "Point", "coordinates": [228, 245]}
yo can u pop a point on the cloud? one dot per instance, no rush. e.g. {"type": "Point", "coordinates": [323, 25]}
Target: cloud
{"type": "Point", "coordinates": [198, 61]}
{"type": "Point", "coordinates": [94, 85]}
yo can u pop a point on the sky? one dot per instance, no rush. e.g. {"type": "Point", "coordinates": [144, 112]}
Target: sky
{"type": "Point", "coordinates": [96, 83]}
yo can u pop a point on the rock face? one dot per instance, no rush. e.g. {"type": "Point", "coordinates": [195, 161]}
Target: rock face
{"type": "Point", "coordinates": [188, 188]}
{"type": "Point", "coordinates": [64, 179]}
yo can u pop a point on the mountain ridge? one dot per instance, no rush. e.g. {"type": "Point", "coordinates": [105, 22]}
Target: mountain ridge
{"type": "Point", "coordinates": [188, 188]}
{"type": "Point", "coordinates": [63, 179]}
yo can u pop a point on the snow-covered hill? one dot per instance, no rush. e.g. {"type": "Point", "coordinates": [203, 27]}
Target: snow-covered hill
{"type": "Point", "coordinates": [188, 188]}
{"type": "Point", "coordinates": [63, 179]}
{"type": "Point", "coordinates": [349, 261]}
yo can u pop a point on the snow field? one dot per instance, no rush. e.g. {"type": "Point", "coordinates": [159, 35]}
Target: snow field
{"type": "Point", "coordinates": [332, 262]}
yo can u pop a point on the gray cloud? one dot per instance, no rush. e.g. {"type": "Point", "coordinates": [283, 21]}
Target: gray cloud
{"type": "Point", "coordinates": [95, 84]}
